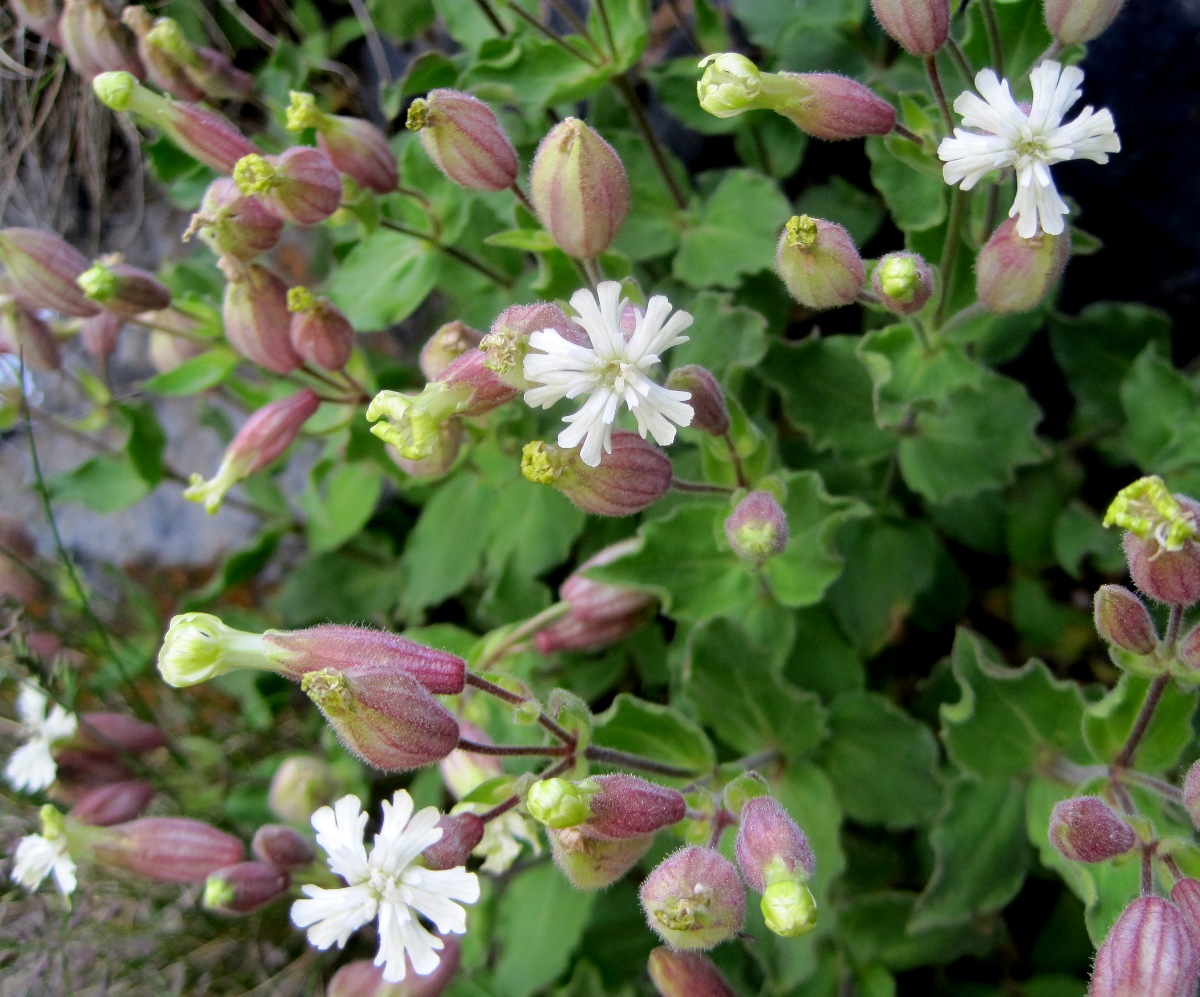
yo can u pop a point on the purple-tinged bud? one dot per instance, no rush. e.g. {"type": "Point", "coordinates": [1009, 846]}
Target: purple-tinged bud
{"type": "Point", "coordinates": [573, 634]}
{"type": "Point", "coordinates": [1014, 275]}
{"type": "Point", "coordinates": [837, 107]}
{"type": "Point", "coordinates": [710, 414]}
{"type": "Point", "coordinates": [1160, 543]}
{"type": "Point", "coordinates": [592, 601]}
{"type": "Point", "coordinates": [364, 979]}
{"type": "Point", "coordinates": [300, 185]}
{"type": "Point", "coordinates": [1149, 952]}
{"type": "Point", "coordinates": [168, 849]}
{"type": "Point", "coordinates": [257, 320]}
{"type": "Point", "coordinates": [220, 78]}
{"type": "Point", "coordinates": [40, 16]}
{"type": "Point", "coordinates": [1187, 651]}
{"type": "Point", "coordinates": [264, 437]}
{"type": "Point", "coordinates": [1085, 829]}
{"type": "Point", "coordinates": [594, 863]}
{"type": "Point", "coordinates": [300, 787]}
{"type": "Point", "coordinates": [79, 772]}
{"type": "Point", "coordinates": [117, 732]}
{"type": "Point", "coordinates": [1185, 894]}
{"type": "Point", "coordinates": [579, 189]}
{"type": "Point", "coordinates": [245, 887]}
{"type": "Point", "coordinates": [1073, 22]}
{"type": "Point", "coordinates": [94, 41]}
{"type": "Point", "coordinates": [187, 71]}
{"type": "Point", "coordinates": [23, 333]}
{"type": "Point", "coordinates": [919, 26]}
{"type": "Point", "coordinates": [686, 974]}
{"type": "Point", "coordinates": [1170, 576]}
{"type": "Point", "coordinates": [203, 134]}
{"type": "Point", "coordinates": [320, 333]}
{"type": "Point", "coordinates": [101, 334]}
{"type": "Point", "coordinates": [1123, 620]}
{"type": "Point", "coordinates": [507, 342]}
{"type": "Point", "coordinates": [164, 67]}
{"type": "Point", "coordinates": [463, 138]}
{"type": "Point", "coordinates": [233, 224]}
{"type": "Point", "coordinates": [902, 282]}
{"type": "Point", "coordinates": [634, 476]}
{"type": "Point", "coordinates": [118, 287]}
{"type": "Point", "coordinates": [18, 553]}
{"type": "Point", "coordinates": [445, 346]}
{"type": "Point", "coordinates": [440, 459]}
{"type": "Point", "coordinates": [113, 803]}
{"type": "Point", "coordinates": [1191, 793]}
{"type": "Point", "coordinates": [282, 846]}
{"type": "Point", "coordinates": [818, 262]}
{"type": "Point", "coordinates": [770, 842]}
{"type": "Point", "coordinates": [628, 807]}
{"type": "Point", "coordinates": [461, 833]}
{"type": "Point", "coordinates": [694, 899]}
{"type": "Point", "coordinates": [758, 527]}
{"type": "Point", "coordinates": [42, 269]}
{"type": "Point", "coordinates": [356, 147]}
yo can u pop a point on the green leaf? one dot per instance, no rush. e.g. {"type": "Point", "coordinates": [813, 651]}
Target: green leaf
{"type": "Point", "coordinates": [915, 199]}
{"type": "Point", "coordinates": [875, 928]}
{"type": "Point", "coordinates": [196, 374]}
{"type": "Point", "coordinates": [146, 441]}
{"type": "Point", "coordinates": [1080, 536]}
{"type": "Point", "coordinates": [981, 854]}
{"type": "Point", "coordinates": [653, 224]}
{"type": "Point", "coordinates": [532, 240]}
{"type": "Point", "coordinates": [106, 483]}
{"type": "Point", "coordinates": [1107, 724]}
{"type": "Point", "coordinates": [858, 212]}
{"type": "Point", "coordinates": [530, 527]}
{"type": "Point", "coordinates": [342, 586]}
{"type": "Point", "coordinates": [822, 659]}
{"type": "Point", "coordinates": [723, 336]}
{"type": "Point", "coordinates": [1164, 415]}
{"type": "Point", "coordinates": [338, 502]}
{"type": "Point", "coordinates": [651, 730]}
{"type": "Point", "coordinates": [882, 762]}
{"type": "Point", "coordinates": [384, 279]}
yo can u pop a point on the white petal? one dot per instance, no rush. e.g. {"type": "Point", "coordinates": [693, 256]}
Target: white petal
{"type": "Point", "coordinates": [37, 857]}
{"type": "Point", "coordinates": [340, 833]}
{"type": "Point", "coordinates": [31, 705]}
{"type": "Point", "coordinates": [400, 934]}
{"type": "Point", "coordinates": [432, 893]}
{"type": "Point", "coordinates": [334, 915]}
{"type": "Point", "coordinates": [59, 725]}
{"type": "Point", "coordinates": [397, 845]}
{"type": "Point", "coordinates": [31, 768]}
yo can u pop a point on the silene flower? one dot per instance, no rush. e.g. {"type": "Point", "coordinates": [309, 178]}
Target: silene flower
{"type": "Point", "coordinates": [613, 371]}
{"type": "Point", "coordinates": [389, 884]}
{"type": "Point", "coordinates": [32, 768]}
{"type": "Point", "coordinates": [1030, 141]}
{"type": "Point", "coordinates": [45, 854]}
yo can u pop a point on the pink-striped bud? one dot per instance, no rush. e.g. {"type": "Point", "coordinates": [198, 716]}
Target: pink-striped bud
{"type": "Point", "coordinates": [101, 334]}
{"type": "Point", "coordinates": [1148, 953]}
{"type": "Point", "coordinates": [1073, 22]}
{"type": "Point", "coordinates": [594, 863]}
{"type": "Point", "coordinates": [117, 732]}
{"type": "Point", "coordinates": [282, 846]}
{"type": "Point", "coordinates": [507, 342]}
{"type": "Point", "coordinates": [1185, 894]}
{"type": "Point", "coordinates": [694, 899]}
{"type": "Point", "coordinates": [758, 527]}
{"type": "Point", "coordinates": [1170, 576]}
{"type": "Point", "coordinates": [184, 70]}
{"type": "Point", "coordinates": [628, 806]}
{"type": "Point", "coordinates": [836, 107]}
{"type": "Point", "coordinates": [902, 282]}
{"type": "Point", "coordinates": [710, 413]}
{"type": "Point", "coordinates": [95, 41]}
{"type": "Point", "coordinates": [445, 346]}
{"type": "Point", "coordinates": [18, 554]}
{"type": "Point", "coordinates": [23, 333]}
{"type": "Point", "coordinates": [1015, 275]}
{"type": "Point", "coordinates": [634, 476]}
{"type": "Point", "coordinates": [1191, 793]}
{"type": "Point", "coordinates": [319, 331]}
{"type": "Point", "coordinates": [819, 264]}
{"type": "Point", "coordinates": [1123, 620]}
{"type": "Point", "coordinates": [770, 842]}
{"type": "Point", "coordinates": [1187, 650]}
{"type": "Point", "coordinates": [118, 287]}
{"type": "Point", "coordinates": [42, 270]}
{"type": "Point", "coordinates": [245, 887]}
{"type": "Point", "coordinates": [300, 787]}
{"type": "Point", "coordinates": [364, 979]}
{"type": "Point", "coordinates": [168, 849]}
{"type": "Point", "coordinates": [300, 185]}
{"type": "Point", "coordinates": [356, 147]}
{"type": "Point", "coordinates": [686, 974]}
{"type": "Point", "coordinates": [461, 135]}
{"type": "Point", "coordinates": [233, 224]}
{"type": "Point", "coordinates": [164, 67]}
{"type": "Point", "coordinates": [919, 26]}
{"type": "Point", "coordinates": [40, 16]}
{"type": "Point", "coordinates": [113, 803]}
{"type": "Point", "coordinates": [80, 771]}
{"type": "Point", "coordinates": [257, 320]}
{"type": "Point", "coordinates": [579, 189]}
{"type": "Point", "coordinates": [1085, 829]}
{"type": "Point", "coordinates": [461, 833]}
{"type": "Point", "coordinates": [264, 437]}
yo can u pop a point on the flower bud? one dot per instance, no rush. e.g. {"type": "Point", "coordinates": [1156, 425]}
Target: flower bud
{"type": "Point", "coordinates": [113, 803]}
{"type": "Point", "coordinates": [634, 476]}
{"type": "Point", "coordinates": [203, 134]}
{"type": "Point", "coordinates": [356, 147]}
{"type": "Point", "coordinates": [300, 787]}
{"type": "Point", "coordinates": [95, 42]}
{"type": "Point", "coordinates": [364, 979]}
{"type": "Point", "coordinates": [919, 26]}
{"type": "Point", "coordinates": [121, 288]}
{"type": "Point", "coordinates": [461, 833]}
{"type": "Point", "coordinates": [789, 909]}
{"type": "Point", "coordinates": [1073, 22]}
{"type": "Point", "coordinates": [1014, 275]}
{"type": "Point", "coordinates": [168, 849]}
{"type": "Point", "coordinates": [1191, 793]}
{"type": "Point", "coordinates": [710, 414]}
{"type": "Point", "coordinates": [264, 437]}
{"type": "Point", "coordinates": [902, 283]}
{"type": "Point", "coordinates": [1160, 540]}
{"type": "Point", "coordinates": [758, 527]}
{"type": "Point", "coordinates": [40, 16]}
{"type": "Point", "coordinates": [686, 974]}
{"type": "Point", "coordinates": [507, 342]}
{"type": "Point", "coordinates": [463, 138]}
{"type": "Point", "coordinates": [770, 845]}
{"type": "Point", "coordinates": [117, 732]}
{"type": "Point", "coordinates": [101, 334]}
{"type": "Point", "coordinates": [560, 803]}
{"type": "Point", "coordinates": [300, 186]}
{"type": "Point", "coordinates": [233, 224]}
{"type": "Point", "coordinates": [1085, 829]}
{"type": "Point", "coordinates": [579, 189]}
{"type": "Point", "coordinates": [1123, 620]}
{"type": "Point", "coordinates": [18, 552]}
{"type": "Point", "coordinates": [595, 863]}
{"type": "Point", "coordinates": [257, 320]}
{"type": "Point", "coordinates": [245, 887]}
{"type": "Point", "coordinates": [1185, 894]}
{"type": "Point", "coordinates": [628, 807]}
{"type": "Point", "coordinates": [320, 333]}
{"type": "Point", "coordinates": [445, 346]}
{"type": "Point", "coordinates": [79, 772]}
{"type": "Point", "coordinates": [23, 333]}
{"type": "Point", "coordinates": [282, 846]}
{"type": "Point", "coordinates": [164, 65]}
{"type": "Point", "coordinates": [42, 269]}
{"type": "Point", "coordinates": [1148, 952]}
{"type": "Point", "coordinates": [818, 263]}
{"type": "Point", "coordinates": [441, 458]}
{"type": "Point", "coordinates": [694, 899]}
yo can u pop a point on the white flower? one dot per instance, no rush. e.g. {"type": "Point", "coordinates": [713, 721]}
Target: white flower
{"type": "Point", "coordinates": [611, 372]}
{"type": "Point", "coordinates": [37, 857]}
{"type": "Point", "coordinates": [389, 884]}
{"type": "Point", "coordinates": [31, 767]}
{"type": "Point", "coordinates": [1029, 142]}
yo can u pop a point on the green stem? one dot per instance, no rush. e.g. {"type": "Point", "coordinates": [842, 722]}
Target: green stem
{"type": "Point", "coordinates": [629, 95]}
{"type": "Point", "coordinates": [685, 28]}
{"type": "Point", "coordinates": [529, 627]}
{"type": "Point", "coordinates": [580, 28]}
{"type": "Point", "coordinates": [554, 36]}
{"type": "Point", "coordinates": [959, 58]}
{"type": "Point", "coordinates": [523, 198]}
{"type": "Point", "coordinates": [701, 487]}
{"type": "Point", "coordinates": [602, 10]}
{"type": "Point", "coordinates": [515, 750]}
{"type": "Point", "coordinates": [958, 215]}
{"type": "Point", "coordinates": [939, 94]}
{"type": "Point", "coordinates": [485, 8]}
{"type": "Point", "coordinates": [736, 460]}
{"type": "Point", "coordinates": [1145, 715]}
{"type": "Point", "coordinates": [993, 36]}
{"type": "Point", "coordinates": [492, 274]}
{"type": "Point", "coordinates": [611, 756]}
{"type": "Point", "coordinates": [591, 267]}
{"type": "Point", "coordinates": [907, 133]}
{"type": "Point", "coordinates": [1159, 786]}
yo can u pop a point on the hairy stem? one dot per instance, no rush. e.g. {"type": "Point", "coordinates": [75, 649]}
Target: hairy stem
{"type": "Point", "coordinates": [634, 103]}
{"type": "Point", "coordinates": [483, 685]}
{"type": "Point", "coordinates": [612, 756]}
{"type": "Point", "coordinates": [993, 36]}
{"type": "Point", "coordinates": [515, 750]}
{"type": "Point", "coordinates": [490, 272]}
{"type": "Point", "coordinates": [1145, 715]}
{"type": "Point", "coordinates": [958, 216]}
{"type": "Point", "coordinates": [939, 94]}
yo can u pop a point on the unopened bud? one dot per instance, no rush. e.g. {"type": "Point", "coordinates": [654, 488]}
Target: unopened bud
{"type": "Point", "coordinates": [1015, 275]}
{"type": "Point", "coordinates": [770, 845]}
{"type": "Point", "coordinates": [117, 732]}
{"type": "Point", "coordinates": [686, 974]}
{"type": "Point", "coordinates": [628, 806]}
{"type": "Point", "coordinates": [463, 138]}
{"type": "Point", "coordinates": [40, 16]}
{"type": "Point", "coordinates": [1191, 793]}
{"type": "Point", "coordinates": [741, 790]}
{"type": "Point", "coordinates": [694, 899]}
{"type": "Point", "coordinates": [789, 908]}
{"type": "Point", "coordinates": [595, 863]}
{"type": "Point", "coordinates": [461, 833]}
{"type": "Point", "coordinates": [819, 264]}
{"type": "Point", "coordinates": [245, 887]}
{"type": "Point", "coordinates": [356, 147]}
{"type": "Point", "coordinates": [282, 846]}
{"type": "Point", "coordinates": [919, 26]}
{"type": "Point", "coordinates": [364, 979]}
{"type": "Point", "coordinates": [902, 283]}
{"type": "Point", "coordinates": [710, 414]}
{"type": "Point", "coordinates": [445, 346]}
{"type": "Point", "coordinates": [24, 333]}
{"type": "Point", "coordinates": [1187, 651]}
{"type": "Point", "coordinates": [95, 42]}
{"type": "Point", "coordinates": [165, 64]}
{"type": "Point", "coordinates": [1185, 895]}
{"type": "Point", "coordinates": [507, 342]}
{"type": "Point", "coordinates": [634, 476]}
{"type": "Point", "coordinates": [300, 787]}
{"type": "Point", "coordinates": [264, 437]}
{"type": "Point", "coordinates": [81, 771]}
{"type": "Point", "coordinates": [101, 334]}
{"type": "Point", "coordinates": [1160, 540]}
{"type": "Point", "coordinates": [319, 331]}
{"type": "Point", "coordinates": [1123, 620]}
{"type": "Point", "coordinates": [300, 185]}
{"type": "Point", "coordinates": [1073, 22]}
{"type": "Point", "coordinates": [43, 269]}
{"type": "Point", "coordinates": [758, 527]}
{"type": "Point", "coordinates": [439, 460]}
{"type": "Point", "coordinates": [121, 288]}
{"type": "Point", "coordinates": [257, 320]}
{"type": "Point", "coordinates": [560, 803]}
{"type": "Point", "coordinates": [1148, 952]}
{"type": "Point", "coordinates": [1085, 829]}
{"type": "Point", "coordinates": [114, 803]}
{"type": "Point", "coordinates": [168, 849]}
{"type": "Point", "coordinates": [233, 224]}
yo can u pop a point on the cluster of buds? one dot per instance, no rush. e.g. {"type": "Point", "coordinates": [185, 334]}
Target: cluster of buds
{"type": "Point", "coordinates": [244, 887]}
{"type": "Point", "coordinates": [633, 476]}
{"type": "Point", "coordinates": [93, 767]}
{"type": "Point", "coordinates": [176, 66]}
{"type": "Point", "coordinates": [355, 147]}
{"type": "Point", "coordinates": [819, 264]}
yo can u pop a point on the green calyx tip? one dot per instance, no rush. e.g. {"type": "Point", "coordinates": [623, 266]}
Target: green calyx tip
{"type": "Point", "coordinates": [303, 112]}
{"type": "Point", "coordinates": [168, 36]}
{"type": "Point", "coordinates": [801, 232]}
{"type": "Point", "coordinates": [560, 803]}
{"type": "Point", "coordinates": [329, 689]}
{"type": "Point", "coordinates": [789, 908]}
{"type": "Point", "coordinates": [1147, 510]}
{"type": "Point", "coordinates": [98, 282]}
{"type": "Point", "coordinates": [301, 299]}
{"type": "Point", "coordinates": [253, 174]}
{"type": "Point", "coordinates": [53, 825]}
{"type": "Point", "coordinates": [899, 278]}
{"type": "Point", "coordinates": [418, 115]}
{"type": "Point", "coordinates": [539, 464]}
{"type": "Point", "coordinates": [217, 893]}
{"type": "Point", "coordinates": [116, 90]}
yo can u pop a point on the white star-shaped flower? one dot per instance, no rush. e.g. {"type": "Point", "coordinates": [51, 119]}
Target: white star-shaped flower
{"type": "Point", "coordinates": [389, 884]}
{"type": "Point", "coordinates": [613, 371]}
{"type": "Point", "coordinates": [31, 768]}
{"type": "Point", "coordinates": [38, 857]}
{"type": "Point", "coordinates": [1029, 142]}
